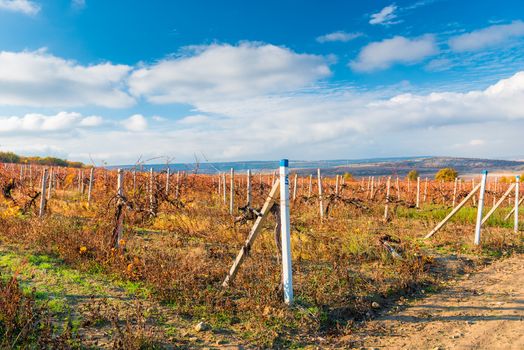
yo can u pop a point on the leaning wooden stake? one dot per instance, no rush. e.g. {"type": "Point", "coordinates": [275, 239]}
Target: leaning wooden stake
{"type": "Point", "coordinates": [295, 184]}
{"type": "Point", "coordinates": [506, 194]}
{"type": "Point", "coordinates": [119, 228]}
{"type": "Point", "coordinates": [43, 194]}
{"type": "Point", "coordinates": [253, 234]}
{"type": "Point", "coordinates": [513, 209]}
{"type": "Point", "coordinates": [453, 212]}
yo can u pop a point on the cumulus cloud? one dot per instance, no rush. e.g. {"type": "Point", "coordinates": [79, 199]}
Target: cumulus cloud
{"type": "Point", "coordinates": [40, 79]}
{"type": "Point", "coordinates": [227, 71]}
{"type": "Point", "coordinates": [324, 123]}
{"type": "Point", "coordinates": [22, 6]}
{"type": "Point", "coordinates": [34, 122]}
{"type": "Point", "coordinates": [338, 36]}
{"type": "Point", "coordinates": [488, 37]}
{"type": "Point", "coordinates": [386, 16]}
{"type": "Point", "coordinates": [383, 54]}
{"type": "Point", "coordinates": [136, 122]}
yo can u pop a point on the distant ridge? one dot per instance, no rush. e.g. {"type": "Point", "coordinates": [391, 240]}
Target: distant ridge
{"type": "Point", "coordinates": [426, 166]}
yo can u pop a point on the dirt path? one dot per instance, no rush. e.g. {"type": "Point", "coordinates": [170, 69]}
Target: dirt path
{"type": "Point", "coordinates": [482, 311]}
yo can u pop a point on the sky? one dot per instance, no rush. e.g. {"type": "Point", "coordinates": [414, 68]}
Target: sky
{"type": "Point", "coordinates": [110, 82]}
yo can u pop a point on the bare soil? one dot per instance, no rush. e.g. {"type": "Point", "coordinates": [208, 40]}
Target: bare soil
{"type": "Point", "coordinates": [484, 310]}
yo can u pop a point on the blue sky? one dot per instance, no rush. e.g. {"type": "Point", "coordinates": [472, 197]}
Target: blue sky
{"type": "Point", "coordinates": [239, 80]}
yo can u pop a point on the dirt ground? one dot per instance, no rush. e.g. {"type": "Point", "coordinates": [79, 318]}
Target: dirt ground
{"type": "Point", "coordinates": [484, 310]}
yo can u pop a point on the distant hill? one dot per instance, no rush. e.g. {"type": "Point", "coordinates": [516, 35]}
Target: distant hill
{"type": "Point", "coordinates": [426, 166]}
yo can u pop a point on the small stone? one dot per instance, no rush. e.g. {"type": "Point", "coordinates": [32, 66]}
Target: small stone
{"type": "Point", "coordinates": [201, 326]}
{"type": "Point", "coordinates": [375, 305]}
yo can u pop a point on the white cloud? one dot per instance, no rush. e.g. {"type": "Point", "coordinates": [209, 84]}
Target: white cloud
{"type": "Point", "coordinates": [383, 54]}
{"type": "Point", "coordinates": [338, 36]}
{"type": "Point", "coordinates": [34, 122]}
{"type": "Point", "coordinates": [40, 79]}
{"type": "Point", "coordinates": [23, 6]}
{"type": "Point", "coordinates": [385, 16]}
{"type": "Point", "coordinates": [92, 121]}
{"type": "Point", "coordinates": [488, 37]}
{"type": "Point", "coordinates": [136, 122]}
{"type": "Point", "coordinates": [328, 123]}
{"type": "Point", "coordinates": [225, 71]}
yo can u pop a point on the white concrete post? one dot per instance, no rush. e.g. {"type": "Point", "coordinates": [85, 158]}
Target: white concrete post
{"type": "Point", "coordinates": [287, 272]}
{"type": "Point", "coordinates": [480, 207]}
{"type": "Point", "coordinates": [224, 188]}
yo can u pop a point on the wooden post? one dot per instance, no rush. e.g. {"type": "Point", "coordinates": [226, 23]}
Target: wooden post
{"type": "Point", "coordinates": [498, 203]}
{"type": "Point", "coordinates": [248, 188]}
{"type": "Point", "coordinates": [168, 174]}
{"type": "Point", "coordinates": [425, 190]}
{"type": "Point", "coordinates": [388, 183]}
{"type": "Point", "coordinates": [152, 197]}
{"type": "Point", "coordinates": [177, 188]}
{"type": "Point", "coordinates": [232, 192]}
{"type": "Point", "coordinates": [516, 210]}
{"type": "Point", "coordinates": [453, 212]}
{"type": "Point", "coordinates": [82, 184]}
{"type": "Point", "coordinates": [372, 190]}
{"type": "Point", "coordinates": [90, 188]}
{"type": "Point", "coordinates": [134, 180]}
{"type": "Point", "coordinates": [478, 226]}
{"type": "Point", "coordinates": [120, 207]}
{"type": "Point", "coordinates": [43, 200]}
{"type": "Point", "coordinates": [224, 188]}
{"type": "Point", "coordinates": [455, 192]}
{"type": "Point", "coordinates": [287, 272]}
{"type": "Point", "coordinates": [310, 186]}
{"type": "Point", "coordinates": [418, 191]}
{"type": "Point", "coordinates": [50, 189]}
{"type": "Point", "coordinates": [398, 189]}
{"type": "Point", "coordinates": [336, 185]}
{"type": "Point", "coordinates": [253, 234]}
{"type": "Point", "coordinates": [320, 201]}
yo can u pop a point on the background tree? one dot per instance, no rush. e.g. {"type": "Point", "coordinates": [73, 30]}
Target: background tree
{"type": "Point", "coordinates": [413, 174]}
{"type": "Point", "coordinates": [446, 174]}
{"type": "Point", "coordinates": [348, 176]}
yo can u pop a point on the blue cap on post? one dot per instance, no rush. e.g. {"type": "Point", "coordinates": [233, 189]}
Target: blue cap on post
{"type": "Point", "coordinates": [284, 162]}
{"type": "Point", "coordinates": [484, 172]}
